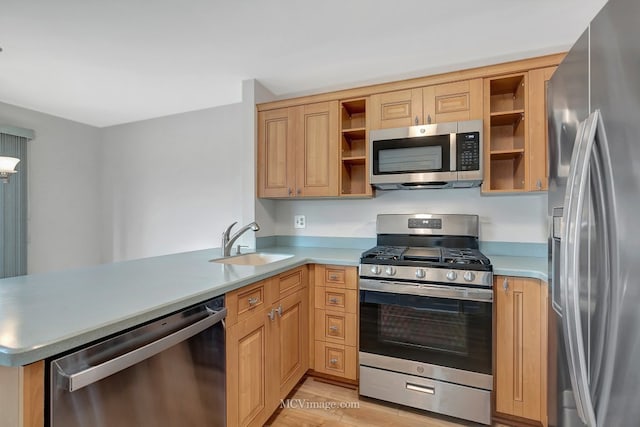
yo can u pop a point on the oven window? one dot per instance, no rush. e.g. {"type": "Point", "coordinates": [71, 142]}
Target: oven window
{"type": "Point", "coordinates": [439, 331]}
{"type": "Point", "coordinates": [412, 155]}
{"type": "Point", "coordinates": [410, 159]}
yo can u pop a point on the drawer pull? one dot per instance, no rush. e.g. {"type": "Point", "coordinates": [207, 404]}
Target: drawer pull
{"type": "Point", "coordinates": [333, 361]}
{"type": "Point", "coordinates": [333, 328]}
{"type": "Point", "coordinates": [253, 301]}
{"type": "Point", "coordinates": [333, 277]}
{"type": "Point", "coordinates": [421, 389]}
{"type": "Point", "coordinates": [333, 300]}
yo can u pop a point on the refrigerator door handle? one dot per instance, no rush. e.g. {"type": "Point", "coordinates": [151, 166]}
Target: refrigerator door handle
{"type": "Point", "coordinates": [577, 186]}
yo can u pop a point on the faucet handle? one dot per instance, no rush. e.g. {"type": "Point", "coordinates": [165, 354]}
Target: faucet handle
{"type": "Point", "coordinates": [238, 249]}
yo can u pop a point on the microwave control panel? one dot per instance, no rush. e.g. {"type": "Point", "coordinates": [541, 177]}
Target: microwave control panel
{"type": "Point", "coordinates": [468, 147]}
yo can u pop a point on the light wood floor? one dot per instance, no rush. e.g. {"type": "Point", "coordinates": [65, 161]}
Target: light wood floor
{"type": "Point", "coordinates": [371, 413]}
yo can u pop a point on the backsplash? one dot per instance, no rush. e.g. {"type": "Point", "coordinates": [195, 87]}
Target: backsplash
{"type": "Point", "coordinates": [509, 218]}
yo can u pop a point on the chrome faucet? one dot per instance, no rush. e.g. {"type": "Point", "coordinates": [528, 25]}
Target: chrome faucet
{"type": "Point", "coordinates": [227, 242]}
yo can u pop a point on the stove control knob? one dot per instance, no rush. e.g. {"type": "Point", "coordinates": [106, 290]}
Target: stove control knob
{"type": "Point", "coordinates": [421, 273]}
{"type": "Point", "coordinates": [451, 275]}
{"type": "Point", "coordinates": [375, 269]}
{"type": "Point", "coordinates": [390, 271]}
{"type": "Point", "coordinates": [469, 276]}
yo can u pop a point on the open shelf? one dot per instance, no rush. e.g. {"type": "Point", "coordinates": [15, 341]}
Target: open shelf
{"type": "Point", "coordinates": [506, 154]}
{"type": "Point", "coordinates": [507, 133]}
{"type": "Point", "coordinates": [507, 118]}
{"type": "Point", "coordinates": [508, 93]}
{"type": "Point", "coordinates": [507, 172]}
{"type": "Point", "coordinates": [354, 180]}
{"type": "Point", "coordinates": [355, 160]}
{"type": "Point", "coordinates": [354, 114]}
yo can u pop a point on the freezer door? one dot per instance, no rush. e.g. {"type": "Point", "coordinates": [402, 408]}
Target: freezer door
{"type": "Point", "coordinates": [615, 91]}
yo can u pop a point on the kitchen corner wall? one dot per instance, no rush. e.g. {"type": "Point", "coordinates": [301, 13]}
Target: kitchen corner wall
{"type": "Point", "coordinates": [170, 184]}
{"type": "Point", "coordinates": [513, 218]}
{"type": "Point", "coordinates": [64, 220]}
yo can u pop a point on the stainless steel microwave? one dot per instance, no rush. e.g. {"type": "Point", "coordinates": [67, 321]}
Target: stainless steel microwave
{"type": "Point", "coordinates": [443, 155]}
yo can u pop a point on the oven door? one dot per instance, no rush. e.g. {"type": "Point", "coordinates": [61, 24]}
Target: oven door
{"type": "Point", "coordinates": [439, 325]}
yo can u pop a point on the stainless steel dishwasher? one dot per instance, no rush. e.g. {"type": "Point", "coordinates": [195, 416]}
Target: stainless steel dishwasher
{"type": "Point", "coordinates": [167, 373]}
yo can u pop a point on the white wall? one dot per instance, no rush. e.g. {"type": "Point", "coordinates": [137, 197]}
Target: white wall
{"type": "Point", "coordinates": [521, 218]}
{"type": "Point", "coordinates": [171, 184]}
{"type": "Point", "coordinates": [64, 217]}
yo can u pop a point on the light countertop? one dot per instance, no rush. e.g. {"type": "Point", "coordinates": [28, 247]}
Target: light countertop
{"type": "Point", "coordinates": [42, 315]}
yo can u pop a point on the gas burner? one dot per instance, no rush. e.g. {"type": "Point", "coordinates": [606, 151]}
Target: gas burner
{"type": "Point", "coordinates": [385, 253]}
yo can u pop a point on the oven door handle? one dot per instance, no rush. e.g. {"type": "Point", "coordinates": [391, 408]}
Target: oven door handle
{"type": "Point", "coordinates": [435, 291]}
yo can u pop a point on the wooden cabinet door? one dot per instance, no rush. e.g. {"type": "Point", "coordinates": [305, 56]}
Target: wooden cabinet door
{"type": "Point", "coordinates": [521, 347]}
{"type": "Point", "coordinates": [538, 129]}
{"type": "Point", "coordinates": [396, 109]}
{"type": "Point", "coordinates": [452, 102]}
{"type": "Point", "coordinates": [276, 155]}
{"type": "Point", "coordinates": [290, 344]}
{"type": "Point", "coordinates": [249, 394]}
{"type": "Point", "coordinates": [317, 155]}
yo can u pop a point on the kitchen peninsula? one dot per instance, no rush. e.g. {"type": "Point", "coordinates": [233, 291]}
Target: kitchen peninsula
{"type": "Point", "coordinates": [47, 314]}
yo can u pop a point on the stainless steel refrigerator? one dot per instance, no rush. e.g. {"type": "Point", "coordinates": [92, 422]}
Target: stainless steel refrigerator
{"type": "Point", "coordinates": [594, 208]}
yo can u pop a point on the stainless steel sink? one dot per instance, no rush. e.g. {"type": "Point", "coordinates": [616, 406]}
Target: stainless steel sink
{"type": "Point", "coordinates": [255, 258]}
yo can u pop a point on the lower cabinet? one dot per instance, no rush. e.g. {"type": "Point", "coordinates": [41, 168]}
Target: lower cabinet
{"type": "Point", "coordinates": [336, 321]}
{"type": "Point", "coordinates": [520, 372]}
{"type": "Point", "coordinates": [268, 348]}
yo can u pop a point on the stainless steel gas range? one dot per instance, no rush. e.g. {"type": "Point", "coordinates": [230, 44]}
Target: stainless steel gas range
{"type": "Point", "coordinates": [426, 316]}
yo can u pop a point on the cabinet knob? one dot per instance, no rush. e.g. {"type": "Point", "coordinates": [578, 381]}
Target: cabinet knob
{"type": "Point", "coordinates": [505, 285]}
{"type": "Point", "coordinates": [539, 184]}
{"type": "Point", "coordinates": [299, 192]}
{"type": "Point", "coordinates": [272, 314]}
{"type": "Point", "coordinates": [333, 361]}
{"type": "Point", "coordinates": [333, 300]}
{"type": "Point", "coordinates": [253, 301]}
{"type": "Point", "coordinates": [290, 191]}
{"type": "Point", "coordinates": [333, 277]}
{"type": "Point", "coordinates": [416, 121]}
{"type": "Point", "coordinates": [279, 310]}
{"type": "Point", "coordinates": [333, 328]}
{"type": "Point", "coordinates": [428, 119]}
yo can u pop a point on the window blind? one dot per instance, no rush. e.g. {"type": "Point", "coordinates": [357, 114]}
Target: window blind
{"type": "Point", "coordinates": [13, 209]}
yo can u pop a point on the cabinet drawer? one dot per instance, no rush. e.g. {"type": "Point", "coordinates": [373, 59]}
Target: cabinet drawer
{"type": "Point", "coordinates": [243, 302]}
{"type": "Point", "coordinates": [290, 282]}
{"type": "Point", "coordinates": [336, 359]}
{"type": "Point", "coordinates": [337, 276]}
{"type": "Point", "coordinates": [336, 299]}
{"type": "Point", "coordinates": [335, 327]}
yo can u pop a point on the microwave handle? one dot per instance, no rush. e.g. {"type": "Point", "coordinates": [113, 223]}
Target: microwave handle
{"type": "Point", "coordinates": [453, 152]}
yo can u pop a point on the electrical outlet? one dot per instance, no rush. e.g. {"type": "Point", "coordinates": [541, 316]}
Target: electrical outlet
{"type": "Point", "coordinates": [299, 221]}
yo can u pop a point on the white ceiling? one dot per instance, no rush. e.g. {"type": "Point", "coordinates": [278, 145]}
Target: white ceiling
{"type": "Point", "coordinates": [105, 62]}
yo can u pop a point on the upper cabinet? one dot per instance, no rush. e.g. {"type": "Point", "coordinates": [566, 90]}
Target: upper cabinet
{"type": "Point", "coordinates": [447, 102]}
{"type": "Point", "coordinates": [318, 145]}
{"type": "Point", "coordinates": [298, 151]}
{"type": "Point", "coordinates": [538, 141]}
{"type": "Point", "coordinates": [452, 102]}
{"type": "Point", "coordinates": [396, 109]}
{"type": "Point", "coordinates": [515, 132]}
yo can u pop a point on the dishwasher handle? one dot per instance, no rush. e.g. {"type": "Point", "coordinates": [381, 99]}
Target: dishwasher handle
{"type": "Point", "coordinates": [81, 379]}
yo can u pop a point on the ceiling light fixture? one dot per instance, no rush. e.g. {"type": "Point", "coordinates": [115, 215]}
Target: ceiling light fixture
{"type": "Point", "coordinates": [7, 168]}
